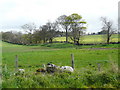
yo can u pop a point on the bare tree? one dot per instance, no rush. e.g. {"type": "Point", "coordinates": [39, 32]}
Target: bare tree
{"type": "Point", "coordinates": [108, 27]}
{"type": "Point", "coordinates": [52, 30]}
{"type": "Point", "coordinates": [37, 36]}
{"type": "Point", "coordinates": [62, 20]}
{"type": "Point", "coordinates": [48, 31]}
{"type": "Point", "coordinates": [7, 36]}
{"type": "Point", "coordinates": [29, 28]}
{"type": "Point", "coordinates": [119, 23]}
{"type": "Point", "coordinates": [12, 37]}
{"type": "Point", "coordinates": [43, 33]}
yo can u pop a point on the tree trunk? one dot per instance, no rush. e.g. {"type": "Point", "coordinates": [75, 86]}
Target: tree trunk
{"type": "Point", "coordinates": [66, 35]}
{"type": "Point", "coordinates": [77, 42]}
{"type": "Point", "coordinates": [44, 40]}
{"type": "Point", "coordinates": [108, 36]}
{"type": "Point", "coordinates": [108, 40]}
{"type": "Point", "coordinates": [50, 40]}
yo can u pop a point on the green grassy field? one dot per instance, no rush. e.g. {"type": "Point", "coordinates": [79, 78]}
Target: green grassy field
{"type": "Point", "coordinates": [92, 39]}
{"type": "Point", "coordinates": [86, 73]}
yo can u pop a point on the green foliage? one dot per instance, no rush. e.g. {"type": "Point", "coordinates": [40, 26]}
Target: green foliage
{"type": "Point", "coordinates": [76, 27]}
{"type": "Point", "coordinates": [73, 17]}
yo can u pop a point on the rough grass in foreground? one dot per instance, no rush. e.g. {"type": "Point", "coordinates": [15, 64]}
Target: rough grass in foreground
{"type": "Point", "coordinates": [88, 77]}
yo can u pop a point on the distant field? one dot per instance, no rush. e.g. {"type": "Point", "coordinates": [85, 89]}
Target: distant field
{"type": "Point", "coordinates": [56, 53]}
{"type": "Point", "coordinates": [31, 58]}
{"type": "Point", "coordinates": [92, 39]}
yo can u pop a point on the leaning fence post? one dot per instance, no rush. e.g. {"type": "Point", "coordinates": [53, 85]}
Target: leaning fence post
{"type": "Point", "coordinates": [72, 58]}
{"type": "Point", "coordinates": [16, 63]}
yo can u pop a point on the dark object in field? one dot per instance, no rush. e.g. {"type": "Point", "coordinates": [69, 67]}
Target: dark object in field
{"type": "Point", "coordinates": [19, 65]}
{"type": "Point", "coordinates": [40, 70]}
{"type": "Point", "coordinates": [51, 68]}
{"type": "Point", "coordinates": [37, 65]}
{"type": "Point", "coordinates": [29, 66]}
{"type": "Point", "coordinates": [90, 64]}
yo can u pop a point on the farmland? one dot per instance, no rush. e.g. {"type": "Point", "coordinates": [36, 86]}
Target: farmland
{"type": "Point", "coordinates": [92, 39]}
{"type": "Point", "coordinates": [86, 73]}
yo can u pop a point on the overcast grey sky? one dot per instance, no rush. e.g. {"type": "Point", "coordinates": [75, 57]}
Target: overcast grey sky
{"type": "Point", "coordinates": [15, 13]}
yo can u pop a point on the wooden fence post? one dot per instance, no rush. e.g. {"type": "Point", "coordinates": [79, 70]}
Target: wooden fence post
{"type": "Point", "coordinates": [72, 58]}
{"type": "Point", "coordinates": [16, 63]}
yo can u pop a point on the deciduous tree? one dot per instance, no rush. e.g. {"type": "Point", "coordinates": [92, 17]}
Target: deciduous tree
{"type": "Point", "coordinates": [63, 21]}
{"type": "Point", "coordinates": [29, 28]}
{"type": "Point", "coordinates": [108, 27]}
{"type": "Point", "coordinates": [77, 27]}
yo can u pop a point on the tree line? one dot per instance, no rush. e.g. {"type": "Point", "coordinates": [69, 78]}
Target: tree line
{"type": "Point", "coordinates": [73, 26]}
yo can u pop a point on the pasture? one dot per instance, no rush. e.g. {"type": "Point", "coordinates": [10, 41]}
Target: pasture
{"type": "Point", "coordinates": [94, 39]}
{"type": "Point", "coordinates": [86, 73]}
